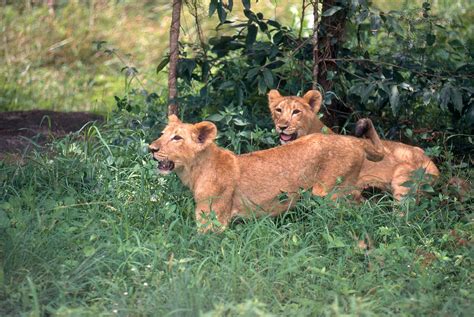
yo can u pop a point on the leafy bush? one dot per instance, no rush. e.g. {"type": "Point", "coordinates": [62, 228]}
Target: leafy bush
{"type": "Point", "coordinates": [407, 69]}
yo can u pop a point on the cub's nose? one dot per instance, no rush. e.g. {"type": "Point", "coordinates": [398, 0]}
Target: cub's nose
{"type": "Point", "coordinates": [282, 127]}
{"type": "Point", "coordinates": [153, 148]}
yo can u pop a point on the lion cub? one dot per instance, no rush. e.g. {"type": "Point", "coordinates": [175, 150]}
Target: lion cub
{"type": "Point", "coordinates": [295, 117]}
{"type": "Point", "coordinates": [232, 185]}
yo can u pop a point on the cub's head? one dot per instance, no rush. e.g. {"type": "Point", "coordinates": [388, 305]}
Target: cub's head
{"type": "Point", "coordinates": [294, 116]}
{"type": "Point", "coordinates": [180, 143]}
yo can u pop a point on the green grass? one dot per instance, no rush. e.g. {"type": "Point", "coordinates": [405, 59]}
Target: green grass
{"type": "Point", "coordinates": [90, 229]}
{"type": "Point", "coordinates": [53, 63]}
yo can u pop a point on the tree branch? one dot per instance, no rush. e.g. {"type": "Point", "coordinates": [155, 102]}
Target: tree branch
{"type": "Point", "coordinates": [174, 56]}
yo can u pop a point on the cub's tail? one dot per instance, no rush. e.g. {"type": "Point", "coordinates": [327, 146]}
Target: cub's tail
{"type": "Point", "coordinates": [374, 149]}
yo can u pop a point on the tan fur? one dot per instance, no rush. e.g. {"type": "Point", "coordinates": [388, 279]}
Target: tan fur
{"type": "Point", "coordinates": [232, 185]}
{"type": "Point", "coordinates": [399, 162]}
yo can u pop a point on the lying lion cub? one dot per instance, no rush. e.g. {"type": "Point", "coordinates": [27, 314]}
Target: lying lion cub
{"type": "Point", "coordinates": [232, 185]}
{"type": "Point", "coordinates": [295, 117]}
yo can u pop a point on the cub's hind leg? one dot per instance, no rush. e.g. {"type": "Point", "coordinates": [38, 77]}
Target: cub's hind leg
{"type": "Point", "coordinates": [401, 174]}
{"type": "Point", "coordinates": [279, 207]}
{"type": "Point", "coordinates": [339, 177]}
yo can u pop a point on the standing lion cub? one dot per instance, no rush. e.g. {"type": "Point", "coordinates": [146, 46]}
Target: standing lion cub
{"type": "Point", "coordinates": [295, 117]}
{"type": "Point", "coordinates": [232, 185]}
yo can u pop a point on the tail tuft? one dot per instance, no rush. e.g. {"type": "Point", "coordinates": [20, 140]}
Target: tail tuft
{"type": "Point", "coordinates": [373, 147]}
{"type": "Point", "coordinates": [362, 127]}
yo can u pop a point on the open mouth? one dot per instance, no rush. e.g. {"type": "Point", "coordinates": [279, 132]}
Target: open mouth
{"type": "Point", "coordinates": [165, 166]}
{"type": "Point", "coordinates": [284, 138]}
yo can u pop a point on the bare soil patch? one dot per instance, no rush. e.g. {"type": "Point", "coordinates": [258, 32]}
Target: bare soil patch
{"type": "Point", "coordinates": [21, 131]}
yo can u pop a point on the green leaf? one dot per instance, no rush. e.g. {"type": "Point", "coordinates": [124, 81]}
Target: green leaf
{"type": "Point", "coordinates": [427, 188]}
{"type": "Point", "coordinates": [250, 15]}
{"type": "Point", "coordinates": [394, 99]}
{"type": "Point", "coordinates": [368, 92]}
{"type": "Point", "coordinates": [362, 16]}
{"type": "Point", "coordinates": [408, 184]}
{"type": "Point", "coordinates": [444, 96]}
{"type": "Point", "coordinates": [215, 117]}
{"type": "Point", "coordinates": [252, 73]}
{"type": "Point", "coordinates": [205, 69]}
{"type": "Point", "coordinates": [275, 64]}
{"type": "Point", "coordinates": [263, 26]}
{"type": "Point", "coordinates": [212, 7]}
{"type": "Point", "coordinates": [394, 25]}
{"type": "Point", "coordinates": [227, 84]}
{"type": "Point", "coordinates": [262, 87]}
{"type": "Point", "coordinates": [221, 12]}
{"type": "Point", "coordinates": [268, 77]}
{"type": "Point", "coordinates": [329, 12]}
{"type": "Point", "coordinates": [456, 98]}
{"type": "Point", "coordinates": [89, 250]}
{"type": "Point", "coordinates": [430, 39]}
{"type": "Point", "coordinates": [162, 64]}
{"type": "Point", "coordinates": [334, 242]}
{"type": "Point", "coordinates": [240, 122]}
{"type": "Point", "coordinates": [375, 22]}
{"type": "Point", "coordinates": [251, 35]}
{"type": "Point", "coordinates": [275, 24]}
{"type": "Point", "coordinates": [277, 37]}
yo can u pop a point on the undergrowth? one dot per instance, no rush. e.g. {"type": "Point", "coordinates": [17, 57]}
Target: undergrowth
{"type": "Point", "coordinates": [89, 228]}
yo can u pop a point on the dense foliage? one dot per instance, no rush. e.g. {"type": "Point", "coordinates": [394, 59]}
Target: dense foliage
{"type": "Point", "coordinates": [406, 69]}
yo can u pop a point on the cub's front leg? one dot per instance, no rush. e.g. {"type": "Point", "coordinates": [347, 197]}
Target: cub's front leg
{"type": "Point", "coordinates": [211, 208]}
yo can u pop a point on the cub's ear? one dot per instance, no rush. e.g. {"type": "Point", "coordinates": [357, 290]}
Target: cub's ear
{"type": "Point", "coordinates": [273, 95]}
{"type": "Point", "coordinates": [172, 118]}
{"type": "Point", "coordinates": [204, 132]}
{"type": "Point", "coordinates": [313, 98]}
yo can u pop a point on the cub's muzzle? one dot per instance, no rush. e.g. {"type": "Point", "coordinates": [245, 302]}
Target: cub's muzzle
{"type": "Point", "coordinates": [165, 166]}
{"type": "Point", "coordinates": [285, 138]}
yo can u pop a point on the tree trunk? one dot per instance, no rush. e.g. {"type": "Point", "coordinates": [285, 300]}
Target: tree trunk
{"type": "Point", "coordinates": [315, 43]}
{"type": "Point", "coordinates": [174, 56]}
{"type": "Point", "coordinates": [330, 36]}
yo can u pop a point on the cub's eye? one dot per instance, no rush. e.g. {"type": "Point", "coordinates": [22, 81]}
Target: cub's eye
{"type": "Point", "coordinates": [278, 110]}
{"type": "Point", "coordinates": [177, 138]}
{"type": "Point", "coordinates": [296, 111]}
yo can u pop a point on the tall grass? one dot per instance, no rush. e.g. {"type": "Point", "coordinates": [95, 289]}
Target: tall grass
{"type": "Point", "coordinates": [52, 62]}
{"type": "Point", "coordinates": [90, 229]}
